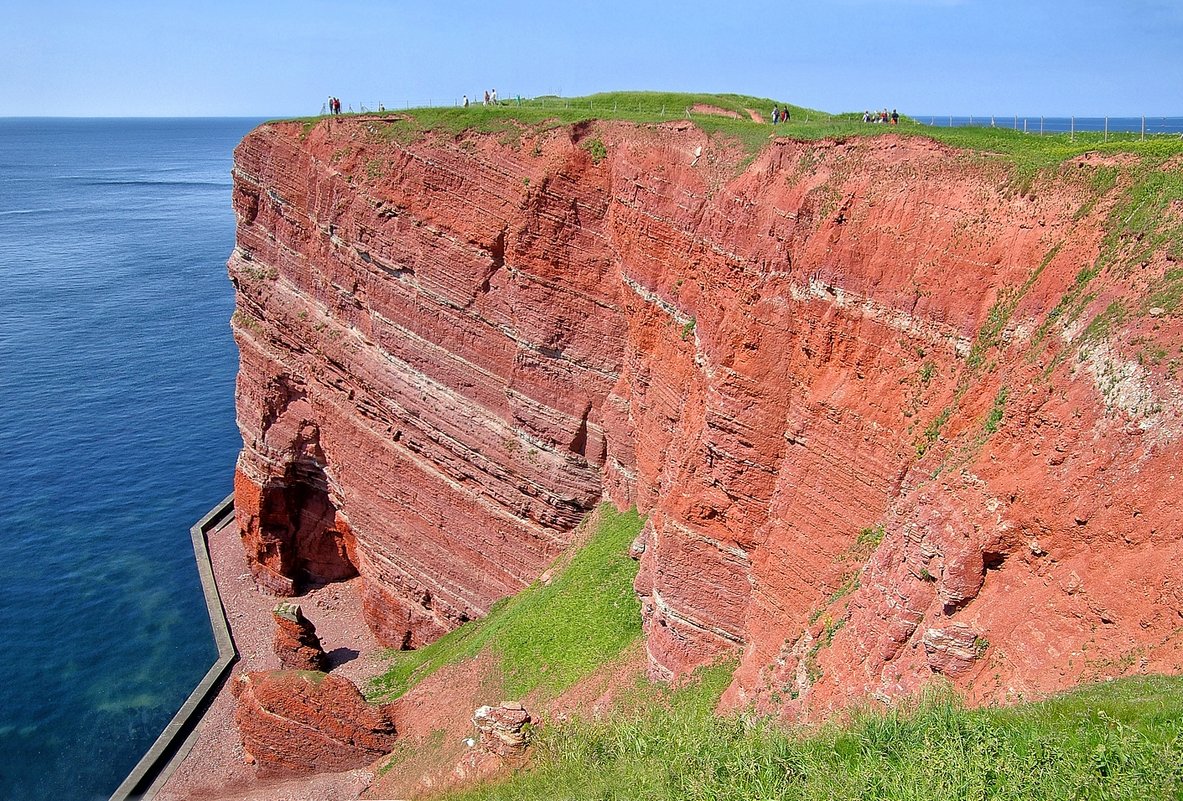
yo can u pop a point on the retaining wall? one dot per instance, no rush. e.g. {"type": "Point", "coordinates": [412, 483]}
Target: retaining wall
{"type": "Point", "coordinates": [174, 742]}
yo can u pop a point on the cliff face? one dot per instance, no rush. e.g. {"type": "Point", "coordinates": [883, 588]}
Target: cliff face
{"type": "Point", "coordinates": [850, 383]}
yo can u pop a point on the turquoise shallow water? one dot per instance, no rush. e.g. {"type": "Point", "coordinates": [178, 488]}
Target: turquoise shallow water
{"type": "Point", "coordinates": [116, 434]}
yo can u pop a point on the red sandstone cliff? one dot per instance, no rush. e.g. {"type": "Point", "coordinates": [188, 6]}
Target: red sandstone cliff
{"type": "Point", "coordinates": [453, 346]}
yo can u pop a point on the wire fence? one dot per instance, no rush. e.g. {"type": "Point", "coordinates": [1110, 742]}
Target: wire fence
{"type": "Point", "coordinates": [377, 106]}
{"type": "Point", "coordinates": [1142, 126]}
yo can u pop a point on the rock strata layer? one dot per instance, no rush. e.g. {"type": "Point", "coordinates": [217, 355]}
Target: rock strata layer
{"type": "Point", "coordinates": [503, 729]}
{"type": "Point", "coordinates": [852, 384]}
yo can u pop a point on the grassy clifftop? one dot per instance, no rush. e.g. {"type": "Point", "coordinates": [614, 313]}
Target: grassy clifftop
{"type": "Point", "coordinates": [730, 115]}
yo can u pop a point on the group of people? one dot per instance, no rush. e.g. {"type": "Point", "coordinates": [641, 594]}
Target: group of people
{"type": "Point", "coordinates": [490, 98]}
{"type": "Point", "coordinates": [882, 117]}
{"type": "Point", "coordinates": [334, 105]}
{"type": "Point", "coordinates": [780, 115]}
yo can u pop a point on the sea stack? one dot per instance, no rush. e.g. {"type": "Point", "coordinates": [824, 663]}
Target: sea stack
{"type": "Point", "coordinates": [296, 643]}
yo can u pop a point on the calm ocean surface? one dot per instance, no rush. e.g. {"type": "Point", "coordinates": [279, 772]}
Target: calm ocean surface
{"type": "Point", "coordinates": [116, 433]}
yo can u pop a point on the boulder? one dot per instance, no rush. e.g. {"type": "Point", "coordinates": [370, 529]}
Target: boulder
{"type": "Point", "coordinates": [301, 722]}
{"type": "Point", "coordinates": [503, 730]}
{"type": "Point", "coordinates": [952, 650]}
{"type": "Point", "coordinates": [296, 643]}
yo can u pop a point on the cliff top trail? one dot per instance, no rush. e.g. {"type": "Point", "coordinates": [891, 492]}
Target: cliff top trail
{"type": "Point", "coordinates": [746, 119]}
{"type": "Point", "coordinates": [897, 402]}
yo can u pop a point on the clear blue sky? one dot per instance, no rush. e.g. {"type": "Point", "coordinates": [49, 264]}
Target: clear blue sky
{"type": "Point", "coordinates": [247, 58]}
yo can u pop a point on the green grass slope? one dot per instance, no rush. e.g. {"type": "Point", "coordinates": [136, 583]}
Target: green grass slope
{"type": "Point", "coordinates": [1120, 740]}
{"type": "Point", "coordinates": [548, 636]}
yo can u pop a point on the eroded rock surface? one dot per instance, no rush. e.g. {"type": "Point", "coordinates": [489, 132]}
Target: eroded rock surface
{"type": "Point", "coordinates": [452, 346]}
{"type": "Point", "coordinates": [296, 643]}
{"type": "Point", "coordinates": [301, 722]}
{"type": "Point", "coordinates": [953, 649]}
{"type": "Point", "coordinates": [503, 729]}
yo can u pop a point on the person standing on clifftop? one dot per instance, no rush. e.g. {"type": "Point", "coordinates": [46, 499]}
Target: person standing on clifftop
{"type": "Point", "coordinates": [775, 115]}
{"type": "Point", "coordinates": [466, 101]}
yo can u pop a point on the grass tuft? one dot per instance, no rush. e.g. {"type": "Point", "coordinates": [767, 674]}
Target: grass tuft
{"type": "Point", "coordinates": [996, 413]}
{"type": "Point", "coordinates": [595, 148]}
{"type": "Point", "coordinates": [933, 431]}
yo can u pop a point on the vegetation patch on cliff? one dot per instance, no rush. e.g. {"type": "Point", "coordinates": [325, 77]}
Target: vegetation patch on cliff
{"type": "Point", "coordinates": [548, 636]}
{"type": "Point", "coordinates": [1119, 740]}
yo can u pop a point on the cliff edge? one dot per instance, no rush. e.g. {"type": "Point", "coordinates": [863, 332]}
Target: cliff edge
{"type": "Point", "coordinates": [892, 409]}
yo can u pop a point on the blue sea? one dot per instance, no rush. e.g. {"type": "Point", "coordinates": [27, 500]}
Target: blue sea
{"type": "Point", "coordinates": [116, 433]}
